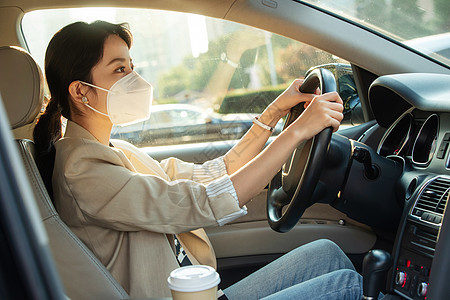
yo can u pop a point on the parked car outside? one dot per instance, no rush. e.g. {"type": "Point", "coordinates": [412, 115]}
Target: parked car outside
{"type": "Point", "coordinates": [184, 123]}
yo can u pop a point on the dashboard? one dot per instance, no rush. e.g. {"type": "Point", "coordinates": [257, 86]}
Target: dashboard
{"type": "Point", "coordinates": [420, 140]}
{"type": "Point", "coordinates": [415, 136]}
{"type": "Point", "coordinates": [415, 109]}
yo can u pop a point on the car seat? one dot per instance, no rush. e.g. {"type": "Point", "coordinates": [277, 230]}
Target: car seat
{"type": "Point", "coordinates": [82, 274]}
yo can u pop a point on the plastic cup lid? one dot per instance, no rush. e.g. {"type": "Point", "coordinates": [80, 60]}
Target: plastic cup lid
{"type": "Point", "coordinates": [193, 278]}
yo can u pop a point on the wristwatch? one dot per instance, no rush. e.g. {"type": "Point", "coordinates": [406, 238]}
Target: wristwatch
{"type": "Point", "coordinates": [224, 58]}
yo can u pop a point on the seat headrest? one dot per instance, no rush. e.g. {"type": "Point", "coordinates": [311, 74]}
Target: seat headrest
{"type": "Point", "coordinates": [21, 86]}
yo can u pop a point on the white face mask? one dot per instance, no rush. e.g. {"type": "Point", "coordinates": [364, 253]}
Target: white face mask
{"type": "Point", "coordinates": [128, 100]}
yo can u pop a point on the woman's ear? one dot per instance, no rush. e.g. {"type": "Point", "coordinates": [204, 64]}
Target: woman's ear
{"type": "Point", "coordinates": [77, 91]}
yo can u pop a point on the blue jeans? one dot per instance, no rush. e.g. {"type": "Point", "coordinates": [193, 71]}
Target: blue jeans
{"type": "Point", "coordinates": [318, 270]}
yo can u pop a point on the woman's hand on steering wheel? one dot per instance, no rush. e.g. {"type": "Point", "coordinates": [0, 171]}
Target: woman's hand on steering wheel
{"type": "Point", "coordinates": [322, 112]}
{"type": "Point", "coordinates": [289, 98]}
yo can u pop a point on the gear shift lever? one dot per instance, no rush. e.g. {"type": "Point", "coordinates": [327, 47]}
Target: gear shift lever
{"type": "Point", "coordinates": [376, 263]}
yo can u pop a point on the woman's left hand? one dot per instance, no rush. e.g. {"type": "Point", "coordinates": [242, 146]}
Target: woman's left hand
{"type": "Point", "coordinates": [289, 98]}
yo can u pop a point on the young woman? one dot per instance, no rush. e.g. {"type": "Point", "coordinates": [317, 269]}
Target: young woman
{"type": "Point", "coordinates": [126, 207]}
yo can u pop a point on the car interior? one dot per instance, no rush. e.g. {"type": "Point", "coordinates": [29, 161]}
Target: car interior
{"type": "Point", "coordinates": [381, 185]}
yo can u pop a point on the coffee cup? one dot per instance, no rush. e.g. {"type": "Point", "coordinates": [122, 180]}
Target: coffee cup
{"type": "Point", "coordinates": [196, 282]}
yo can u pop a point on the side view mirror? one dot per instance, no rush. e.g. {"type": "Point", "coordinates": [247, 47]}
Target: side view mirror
{"type": "Point", "coordinates": [346, 87]}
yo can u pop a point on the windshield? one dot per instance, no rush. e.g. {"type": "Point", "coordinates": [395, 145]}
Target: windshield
{"type": "Point", "coordinates": [420, 24]}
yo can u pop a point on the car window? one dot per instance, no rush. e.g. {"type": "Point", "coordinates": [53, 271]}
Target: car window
{"type": "Point", "coordinates": [210, 76]}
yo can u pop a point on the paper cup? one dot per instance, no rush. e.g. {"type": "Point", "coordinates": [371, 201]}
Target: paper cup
{"type": "Point", "coordinates": [195, 282]}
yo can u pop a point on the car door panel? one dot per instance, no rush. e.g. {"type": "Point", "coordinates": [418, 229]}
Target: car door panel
{"type": "Point", "coordinates": [257, 238]}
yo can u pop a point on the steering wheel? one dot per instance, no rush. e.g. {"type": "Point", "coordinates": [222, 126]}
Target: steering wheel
{"type": "Point", "coordinates": [294, 184]}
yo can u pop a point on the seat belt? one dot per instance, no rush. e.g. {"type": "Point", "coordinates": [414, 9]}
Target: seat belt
{"type": "Point", "coordinates": [182, 258]}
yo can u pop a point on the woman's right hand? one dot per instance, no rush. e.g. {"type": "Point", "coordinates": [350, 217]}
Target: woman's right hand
{"type": "Point", "coordinates": [322, 112]}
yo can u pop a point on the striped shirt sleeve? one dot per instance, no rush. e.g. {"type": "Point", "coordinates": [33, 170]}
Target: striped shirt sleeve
{"type": "Point", "coordinates": [221, 186]}
{"type": "Point", "coordinates": [209, 171]}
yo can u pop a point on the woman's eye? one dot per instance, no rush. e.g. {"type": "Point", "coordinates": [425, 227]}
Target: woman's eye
{"type": "Point", "coordinates": [121, 70]}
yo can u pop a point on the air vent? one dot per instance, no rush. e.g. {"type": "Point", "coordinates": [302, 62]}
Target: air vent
{"type": "Point", "coordinates": [432, 200]}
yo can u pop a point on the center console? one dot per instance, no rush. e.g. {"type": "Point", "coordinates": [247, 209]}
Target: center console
{"type": "Point", "coordinates": [417, 246]}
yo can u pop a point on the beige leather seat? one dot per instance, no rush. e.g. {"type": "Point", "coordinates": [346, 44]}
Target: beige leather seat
{"type": "Point", "coordinates": [83, 276]}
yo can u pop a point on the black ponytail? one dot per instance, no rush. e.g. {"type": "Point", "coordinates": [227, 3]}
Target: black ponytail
{"type": "Point", "coordinates": [47, 132]}
{"type": "Point", "coordinates": [71, 54]}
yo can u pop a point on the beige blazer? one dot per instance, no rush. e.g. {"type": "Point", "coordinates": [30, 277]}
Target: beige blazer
{"type": "Point", "coordinates": [124, 206]}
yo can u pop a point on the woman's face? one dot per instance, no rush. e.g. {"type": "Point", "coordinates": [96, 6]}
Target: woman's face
{"type": "Point", "coordinates": [115, 64]}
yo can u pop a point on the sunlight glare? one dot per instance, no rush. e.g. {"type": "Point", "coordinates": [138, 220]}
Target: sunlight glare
{"type": "Point", "coordinates": [198, 34]}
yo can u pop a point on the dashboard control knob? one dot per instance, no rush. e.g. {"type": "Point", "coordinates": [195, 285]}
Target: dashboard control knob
{"type": "Point", "coordinates": [400, 278]}
{"type": "Point", "coordinates": [422, 289]}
